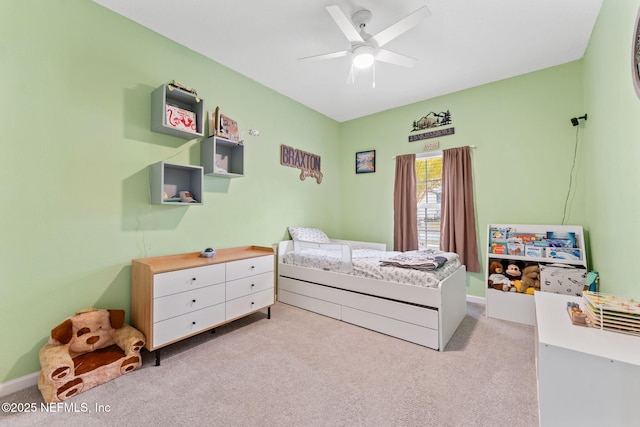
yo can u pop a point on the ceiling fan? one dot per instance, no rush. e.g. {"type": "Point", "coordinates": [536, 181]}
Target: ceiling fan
{"type": "Point", "coordinates": [365, 48]}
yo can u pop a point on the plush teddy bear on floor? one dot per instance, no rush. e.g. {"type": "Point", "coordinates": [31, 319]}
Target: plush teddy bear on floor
{"type": "Point", "coordinates": [531, 279]}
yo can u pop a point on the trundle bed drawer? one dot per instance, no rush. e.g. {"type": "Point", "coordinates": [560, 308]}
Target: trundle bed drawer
{"type": "Point", "coordinates": [421, 316]}
{"type": "Point", "coordinates": [312, 304]}
{"type": "Point", "coordinates": [396, 328]}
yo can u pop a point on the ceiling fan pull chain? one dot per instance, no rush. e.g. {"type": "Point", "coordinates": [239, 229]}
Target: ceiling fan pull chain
{"type": "Point", "coordinates": [374, 75]}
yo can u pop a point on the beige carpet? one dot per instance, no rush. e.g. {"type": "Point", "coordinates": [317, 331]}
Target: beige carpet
{"type": "Point", "coordinates": [303, 369]}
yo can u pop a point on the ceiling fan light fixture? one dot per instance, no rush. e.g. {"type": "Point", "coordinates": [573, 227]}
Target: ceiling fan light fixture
{"type": "Point", "coordinates": [363, 57]}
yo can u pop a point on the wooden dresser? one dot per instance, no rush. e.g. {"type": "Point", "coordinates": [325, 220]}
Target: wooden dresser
{"type": "Point", "coordinates": [177, 296]}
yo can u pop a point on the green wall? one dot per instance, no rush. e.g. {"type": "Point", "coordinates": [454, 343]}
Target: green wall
{"type": "Point", "coordinates": [76, 81]}
{"type": "Point", "coordinates": [613, 149]}
{"type": "Point", "coordinates": [76, 145]}
{"type": "Point", "coordinates": [522, 160]}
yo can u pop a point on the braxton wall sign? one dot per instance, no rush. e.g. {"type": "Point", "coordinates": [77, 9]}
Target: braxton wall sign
{"type": "Point", "coordinates": [309, 164]}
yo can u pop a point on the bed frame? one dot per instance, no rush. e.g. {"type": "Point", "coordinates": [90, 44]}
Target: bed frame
{"type": "Point", "coordinates": [422, 315]}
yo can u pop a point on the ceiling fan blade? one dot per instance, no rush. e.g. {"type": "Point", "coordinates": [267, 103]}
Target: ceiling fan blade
{"type": "Point", "coordinates": [326, 56]}
{"type": "Point", "coordinates": [402, 26]}
{"type": "Point", "coordinates": [385, 55]}
{"type": "Point", "coordinates": [345, 25]}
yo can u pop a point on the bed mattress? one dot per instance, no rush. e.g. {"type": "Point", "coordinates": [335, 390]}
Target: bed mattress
{"type": "Point", "coordinates": [367, 263]}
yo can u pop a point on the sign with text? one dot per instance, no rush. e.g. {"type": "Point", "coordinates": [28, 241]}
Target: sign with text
{"type": "Point", "coordinates": [432, 134]}
{"type": "Point", "coordinates": [309, 164]}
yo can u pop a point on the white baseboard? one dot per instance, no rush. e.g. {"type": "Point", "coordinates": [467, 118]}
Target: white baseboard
{"type": "Point", "coordinates": [477, 300]}
{"type": "Point", "coordinates": [19, 384]}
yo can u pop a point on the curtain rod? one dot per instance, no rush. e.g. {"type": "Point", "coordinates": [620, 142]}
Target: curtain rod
{"type": "Point", "coordinates": [435, 151]}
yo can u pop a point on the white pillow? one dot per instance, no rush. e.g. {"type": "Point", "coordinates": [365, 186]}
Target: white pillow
{"type": "Point", "coordinates": [308, 234]}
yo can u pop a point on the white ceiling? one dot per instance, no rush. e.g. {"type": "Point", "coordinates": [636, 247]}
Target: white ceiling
{"type": "Point", "coordinates": [464, 43]}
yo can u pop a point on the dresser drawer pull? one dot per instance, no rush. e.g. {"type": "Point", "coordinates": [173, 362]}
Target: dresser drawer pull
{"type": "Point", "coordinates": [193, 323]}
{"type": "Point", "coordinates": [252, 302]}
{"type": "Point", "coordinates": [193, 301]}
{"type": "Point", "coordinates": [253, 284]}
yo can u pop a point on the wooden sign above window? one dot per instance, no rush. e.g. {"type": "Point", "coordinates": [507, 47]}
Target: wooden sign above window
{"type": "Point", "coordinates": [430, 121]}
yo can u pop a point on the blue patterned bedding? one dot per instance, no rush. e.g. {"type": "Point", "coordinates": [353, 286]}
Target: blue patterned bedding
{"type": "Point", "coordinates": [368, 263]}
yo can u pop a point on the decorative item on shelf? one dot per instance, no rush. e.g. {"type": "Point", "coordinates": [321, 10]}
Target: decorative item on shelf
{"type": "Point", "coordinates": [175, 84]}
{"type": "Point", "coordinates": [208, 253]}
{"type": "Point", "coordinates": [366, 161]}
{"type": "Point", "coordinates": [592, 283]}
{"type": "Point", "coordinates": [213, 120]}
{"type": "Point", "coordinates": [497, 280]}
{"type": "Point", "coordinates": [562, 279]}
{"type": "Point", "coordinates": [224, 126]}
{"type": "Point", "coordinates": [180, 118]}
{"type": "Point", "coordinates": [186, 197]}
{"type": "Point", "coordinates": [576, 314]}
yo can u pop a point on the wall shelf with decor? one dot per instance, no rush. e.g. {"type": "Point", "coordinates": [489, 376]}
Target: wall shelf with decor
{"type": "Point", "coordinates": [177, 112]}
{"type": "Point", "coordinates": [525, 245]}
{"type": "Point", "coordinates": [167, 181]}
{"type": "Point", "coordinates": [222, 157]}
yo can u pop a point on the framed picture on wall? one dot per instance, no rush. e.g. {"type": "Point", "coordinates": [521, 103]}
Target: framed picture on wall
{"type": "Point", "coordinates": [366, 161]}
{"type": "Point", "coordinates": [635, 56]}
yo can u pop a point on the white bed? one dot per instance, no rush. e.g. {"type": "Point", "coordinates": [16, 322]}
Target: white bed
{"type": "Point", "coordinates": [426, 312]}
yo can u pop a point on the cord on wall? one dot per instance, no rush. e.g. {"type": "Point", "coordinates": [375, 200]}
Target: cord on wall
{"type": "Point", "coordinates": [566, 201]}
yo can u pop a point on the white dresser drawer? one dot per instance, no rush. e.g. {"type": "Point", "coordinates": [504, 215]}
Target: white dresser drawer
{"type": "Point", "coordinates": [187, 324]}
{"type": "Point", "coordinates": [249, 267]}
{"type": "Point", "coordinates": [184, 302]}
{"type": "Point", "coordinates": [243, 305]}
{"type": "Point", "coordinates": [185, 280]}
{"type": "Point", "coordinates": [249, 285]}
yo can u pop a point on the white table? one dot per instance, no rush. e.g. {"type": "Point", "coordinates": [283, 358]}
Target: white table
{"type": "Point", "coordinates": [586, 376]}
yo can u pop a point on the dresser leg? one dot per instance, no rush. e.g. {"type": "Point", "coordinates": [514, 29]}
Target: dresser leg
{"type": "Point", "coordinates": [158, 357]}
{"type": "Point", "coordinates": [268, 312]}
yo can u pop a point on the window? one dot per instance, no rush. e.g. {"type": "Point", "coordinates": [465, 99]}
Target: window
{"type": "Point", "coordinates": [428, 195]}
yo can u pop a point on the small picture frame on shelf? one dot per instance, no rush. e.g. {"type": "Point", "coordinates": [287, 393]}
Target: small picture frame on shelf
{"type": "Point", "coordinates": [366, 161]}
{"type": "Point", "coordinates": [181, 119]}
{"type": "Point", "coordinates": [226, 127]}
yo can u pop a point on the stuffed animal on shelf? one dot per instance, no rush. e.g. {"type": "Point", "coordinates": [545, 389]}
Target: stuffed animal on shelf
{"type": "Point", "coordinates": [531, 278]}
{"type": "Point", "coordinates": [497, 280]}
{"type": "Point", "coordinates": [513, 271]}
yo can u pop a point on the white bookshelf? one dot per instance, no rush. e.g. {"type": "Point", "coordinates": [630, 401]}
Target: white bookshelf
{"type": "Point", "coordinates": [520, 307]}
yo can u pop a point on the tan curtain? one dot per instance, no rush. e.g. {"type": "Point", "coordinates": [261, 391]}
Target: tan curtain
{"type": "Point", "coordinates": [458, 220]}
{"type": "Point", "coordinates": [405, 212]}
